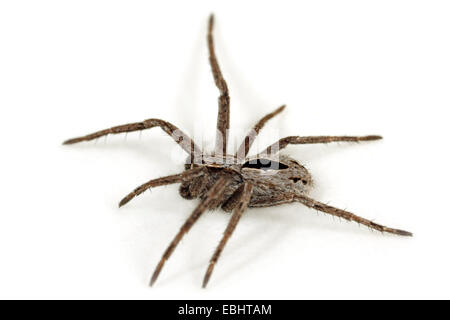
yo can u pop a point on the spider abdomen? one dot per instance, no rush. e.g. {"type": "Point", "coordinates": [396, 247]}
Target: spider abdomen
{"type": "Point", "coordinates": [273, 180]}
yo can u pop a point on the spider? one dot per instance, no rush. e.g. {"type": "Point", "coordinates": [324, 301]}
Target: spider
{"type": "Point", "coordinates": [235, 182]}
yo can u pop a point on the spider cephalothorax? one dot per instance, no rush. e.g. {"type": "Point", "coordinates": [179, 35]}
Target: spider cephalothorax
{"type": "Point", "coordinates": [271, 177]}
{"type": "Point", "coordinates": [236, 182]}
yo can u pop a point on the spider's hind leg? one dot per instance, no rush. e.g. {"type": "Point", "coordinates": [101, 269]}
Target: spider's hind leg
{"type": "Point", "coordinates": [311, 203]}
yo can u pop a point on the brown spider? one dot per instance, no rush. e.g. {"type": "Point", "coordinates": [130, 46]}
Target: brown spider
{"type": "Point", "coordinates": [235, 182]}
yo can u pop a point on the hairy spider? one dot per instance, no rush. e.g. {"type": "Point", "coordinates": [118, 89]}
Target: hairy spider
{"type": "Point", "coordinates": [235, 182]}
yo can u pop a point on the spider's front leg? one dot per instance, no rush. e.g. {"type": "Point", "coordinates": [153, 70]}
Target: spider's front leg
{"type": "Point", "coordinates": [245, 192]}
{"type": "Point", "coordinates": [214, 193]}
{"type": "Point", "coordinates": [180, 177]}
{"type": "Point", "coordinates": [179, 136]}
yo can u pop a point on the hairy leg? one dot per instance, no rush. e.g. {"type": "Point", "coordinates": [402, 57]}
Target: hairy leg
{"type": "Point", "coordinates": [213, 193]}
{"type": "Point", "coordinates": [246, 193]}
{"type": "Point", "coordinates": [223, 116]}
{"type": "Point", "coordinates": [282, 143]}
{"type": "Point", "coordinates": [232, 201]}
{"type": "Point", "coordinates": [179, 136]}
{"type": "Point", "coordinates": [271, 201]}
{"type": "Point", "coordinates": [193, 188]}
{"type": "Point", "coordinates": [347, 215]}
{"type": "Point", "coordinates": [251, 136]}
{"type": "Point", "coordinates": [189, 174]}
{"type": "Point", "coordinates": [198, 185]}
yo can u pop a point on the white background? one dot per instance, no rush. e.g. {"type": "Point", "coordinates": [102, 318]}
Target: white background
{"type": "Point", "coordinates": [342, 67]}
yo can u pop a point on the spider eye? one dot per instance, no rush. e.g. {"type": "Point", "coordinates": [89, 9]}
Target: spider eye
{"type": "Point", "coordinates": [264, 164]}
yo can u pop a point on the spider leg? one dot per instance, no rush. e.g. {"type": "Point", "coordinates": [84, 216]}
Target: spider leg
{"type": "Point", "coordinates": [271, 201]}
{"type": "Point", "coordinates": [311, 203]}
{"type": "Point", "coordinates": [179, 136]}
{"type": "Point", "coordinates": [161, 182]}
{"type": "Point", "coordinates": [233, 200]}
{"type": "Point", "coordinates": [223, 116]}
{"type": "Point", "coordinates": [214, 193]}
{"type": "Point", "coordinates": [198, 185]}
{"type": "Point", "coordinates": [251, 136]}
{"type": "Point", "coordinates": [282, 143]}
{"type": "Point", "coordinates": [246, 193]}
